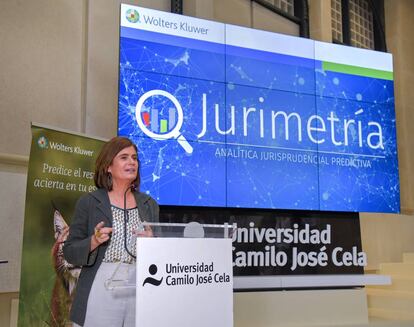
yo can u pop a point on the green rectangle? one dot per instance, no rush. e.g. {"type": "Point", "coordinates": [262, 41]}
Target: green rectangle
{"type": "Point", "coordinates": [163, 126]}
{"type": "Point", "coordinates": [355, 70]}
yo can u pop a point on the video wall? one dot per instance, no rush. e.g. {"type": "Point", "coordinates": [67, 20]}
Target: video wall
{"type": "Point", "coordinates": [227, 116]}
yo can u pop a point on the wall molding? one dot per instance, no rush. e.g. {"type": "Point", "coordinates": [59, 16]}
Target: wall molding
{"type": "Point", "coordinates": [14, 159]}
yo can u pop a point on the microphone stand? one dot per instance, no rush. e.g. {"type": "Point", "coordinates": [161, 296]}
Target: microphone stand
{"type": "Point", "coordinates": [126, 218]}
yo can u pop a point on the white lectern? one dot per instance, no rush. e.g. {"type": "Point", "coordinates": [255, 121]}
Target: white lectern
{"type": "Point", "coordinates": [184, 276]}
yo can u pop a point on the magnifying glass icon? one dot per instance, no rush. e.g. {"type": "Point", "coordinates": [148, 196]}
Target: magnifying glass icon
{"type": "Point", "coordinates": [173, 133]}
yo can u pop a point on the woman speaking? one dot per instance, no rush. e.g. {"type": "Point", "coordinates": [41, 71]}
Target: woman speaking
{"type": "Point", "coordinates": [101, 229]}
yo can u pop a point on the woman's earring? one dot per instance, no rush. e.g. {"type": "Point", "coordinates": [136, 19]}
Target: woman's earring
{"type": "Point", "coordinates": [109, 181]}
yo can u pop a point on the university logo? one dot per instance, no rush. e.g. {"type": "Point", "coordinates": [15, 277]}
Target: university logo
{"type": "Point", "coordinates": [132, 16]}
{"type": "Point", "coordinates": [42, 142]}
{"type": "Point", "coordinates": [151, 280]}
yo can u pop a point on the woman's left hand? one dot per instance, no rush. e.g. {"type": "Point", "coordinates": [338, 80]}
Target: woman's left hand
{"type": "Point", "coordinates": [147, 232]}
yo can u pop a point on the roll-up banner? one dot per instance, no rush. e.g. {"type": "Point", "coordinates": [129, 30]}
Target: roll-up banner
{"type": "Point", "coordinates": [61, 169]}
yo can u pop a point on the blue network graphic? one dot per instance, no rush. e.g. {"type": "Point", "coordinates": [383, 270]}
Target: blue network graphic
{"type": "Point", "coordinates": [259, 130]}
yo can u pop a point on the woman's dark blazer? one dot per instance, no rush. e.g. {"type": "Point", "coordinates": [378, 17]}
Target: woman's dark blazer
{"type": "Point", "coordinates": [91, 209]}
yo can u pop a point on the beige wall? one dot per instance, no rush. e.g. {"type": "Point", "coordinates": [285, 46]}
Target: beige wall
{"type": "Point", "coordinates": [8, 309]}
{"type": "Point", "coordinates": [386, 237]}
{"type": "Point", "coordinates": [41, 68]}
{"type": "Point", "coordinates": [240, 12]}
{"type": "Point", "coordinates": [320, 20]}
{"type": "Point", "coordinates": [400, 41]}
{"type": "Point", "coordinates": [58, 66]}
{"type": "Point", "coordinates": [101, 87]}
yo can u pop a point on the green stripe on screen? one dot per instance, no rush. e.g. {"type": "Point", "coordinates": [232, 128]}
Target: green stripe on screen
{"type": "Point", "coordinates": [354, 70]}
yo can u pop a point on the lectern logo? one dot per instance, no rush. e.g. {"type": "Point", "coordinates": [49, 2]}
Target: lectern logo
{"type": "Point", "coordinates": [132, 16]}
{"type": "Point", "coordinates": [150, 280]}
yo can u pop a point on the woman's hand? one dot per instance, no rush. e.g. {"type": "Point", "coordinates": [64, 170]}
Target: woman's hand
{"type": "Point", "coordinates": [147, 232]}
{"type": "Point", "coordinates": [101, 235]}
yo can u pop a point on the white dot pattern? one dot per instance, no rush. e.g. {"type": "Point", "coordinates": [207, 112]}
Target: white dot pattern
{"type": "Point", "coordinates": [116, 251]}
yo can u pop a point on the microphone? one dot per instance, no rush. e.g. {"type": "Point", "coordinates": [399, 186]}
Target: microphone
{"type": "Point", "coordinates": [131, 188]}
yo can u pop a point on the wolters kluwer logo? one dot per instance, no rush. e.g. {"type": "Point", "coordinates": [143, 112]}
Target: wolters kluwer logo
{"type": "Point", "coordinates": [150, 280]}
{"type": "Point", "coordinates": [132, 16]}
{"type": "Point", "coordinates": [42, 142]}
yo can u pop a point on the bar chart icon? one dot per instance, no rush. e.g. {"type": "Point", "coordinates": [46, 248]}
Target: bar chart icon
{"type": "Point", "coordinates": [159, 125]}
{"type": "Point", "coordinates": [154, 123]}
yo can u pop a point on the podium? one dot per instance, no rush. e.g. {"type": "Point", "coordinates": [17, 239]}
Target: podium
{"type": "Point", "coordinates": [184, 276]}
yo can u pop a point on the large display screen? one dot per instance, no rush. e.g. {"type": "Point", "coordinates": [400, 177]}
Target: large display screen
{"type": "Point", "coordinates": [227, 116]}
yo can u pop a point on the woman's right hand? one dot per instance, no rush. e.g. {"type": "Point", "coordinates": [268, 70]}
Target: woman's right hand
{"type": "Point", "coordinates": [101, 235]}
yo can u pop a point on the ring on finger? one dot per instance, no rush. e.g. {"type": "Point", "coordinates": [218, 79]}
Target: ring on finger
{"type": "Point", "coordinates": [98, 234]}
